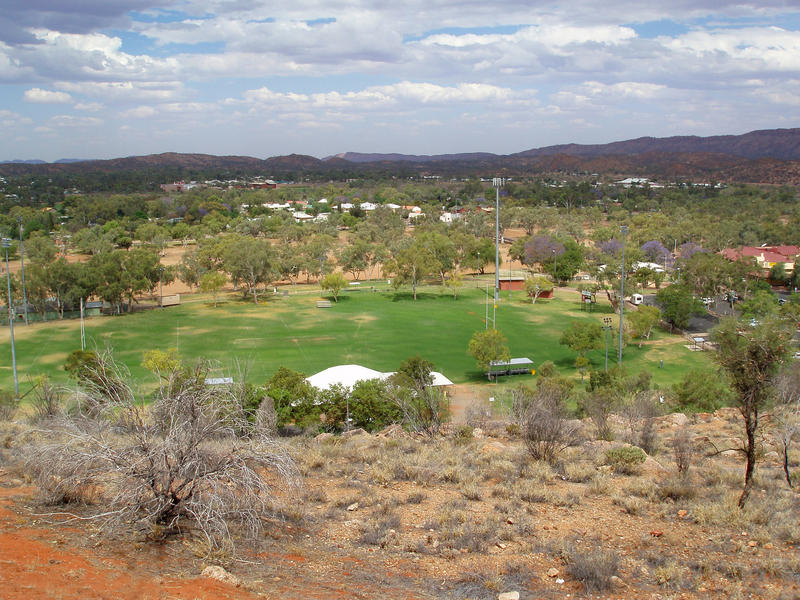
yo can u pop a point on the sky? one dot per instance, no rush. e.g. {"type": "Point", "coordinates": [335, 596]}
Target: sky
{"type": "Point", "coordinates": [114, 78]}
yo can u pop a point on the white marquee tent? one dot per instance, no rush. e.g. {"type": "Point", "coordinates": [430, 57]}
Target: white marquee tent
{"type": "Point", "coordinates": [349, 375]}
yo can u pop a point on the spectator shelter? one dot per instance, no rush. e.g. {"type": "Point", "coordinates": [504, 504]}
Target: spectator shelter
{"type": "Point", "coordinates": [515, 366]}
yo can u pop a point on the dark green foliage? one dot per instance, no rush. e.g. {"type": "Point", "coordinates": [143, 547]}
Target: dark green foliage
{"type": "Point", "coordinates": [678, 305]}
{"type": "Point", "coordinates": [702, 390]}
{"type": "Point", "coordinates": [626, 460]}
{"type": "Point", "coordinates": [78, 362]}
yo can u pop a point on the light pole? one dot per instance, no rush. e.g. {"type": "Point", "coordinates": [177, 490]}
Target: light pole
{"type": "Point", "coordinates": [22, 266]}
{"type": "Point", "coordinates": [555, 268]}
{"type": "Point", "coordinates": [497, 182]}
{"type": "Point", "coordinates": [624, 231]}
{"type": "Point", "coordinates": [607, 329]}
{"type": "Point", "coordinates": [6, 243]}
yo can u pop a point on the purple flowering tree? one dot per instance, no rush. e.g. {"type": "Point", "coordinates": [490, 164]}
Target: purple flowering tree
{"type": "Point", "coordinates": [542, 249]}
{"type": "Point", "coordinates": [688, 249]}
{"type": "Point", "coordinates": [611, 247]}
{"type": "Point", "coordinates": [655, 251]}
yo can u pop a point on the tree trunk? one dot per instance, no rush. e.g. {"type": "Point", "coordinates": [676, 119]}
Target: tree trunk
{"type": "Point", "coordinates": [751, 424]}
{"type": "Point", "coordinates": [786, 463]}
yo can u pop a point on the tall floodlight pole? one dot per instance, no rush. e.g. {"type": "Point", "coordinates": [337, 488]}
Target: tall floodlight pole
{"type": "Point", "coordinates": [6, 243]}
{"type": "Point", "coordinates": [497, 182]}
{"type": "Point", "coordinates": [22, 266]}
{"type": "Point", "coordinates": [624, 231]}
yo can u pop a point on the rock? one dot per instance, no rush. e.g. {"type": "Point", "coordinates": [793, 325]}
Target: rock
{"type": "Point", "coordinates": [352, 507]}
{"type": "Point", "coordinates": [220, 574]}
{"type": "Point", "coordinates": [652, 467]}
{"type": "Point", "coordinates": [323, 436]}
{"type": "Point", "coordinates": [678, 419]}
{"type": "Point", "coordinates": [509, 521]}
{"type": "Point", "coordinates": [508, 596]}
{"type": "Point", "coordinates": [477, 433]}
{"type": "Point", "coordinates": [354, 432]}
{"type": "Point", "coordinates": [656, 533]}
{"type": "Point", "coordinates": [552, 572]}
{"type": "Point", "coordinates": [393, 431]}
{"type": "Point", "coordinates": [752, 543]}
{"type": "Point", "coordinates": [682, 513]}
{"type": "Point", "coordinates": [493, 447]}
{"type": "Point", "coordinates": [501, 545]}
{"type": "Point", "coordinates": [730, 453]}
{"type": "Point", "coordinates": [769, 546]}
{"type": "Point", "coordinates": [616, 581]}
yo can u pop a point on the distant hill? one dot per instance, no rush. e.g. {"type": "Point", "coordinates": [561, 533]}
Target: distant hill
{"type": "Point", "coordinates": [358, 157]}
{"type": "Point", "coordinates": [767, 156]}
{"type": "Point", "coordinates": [783, 144]}
{"type": "Point", "coordinates": [17, 161]}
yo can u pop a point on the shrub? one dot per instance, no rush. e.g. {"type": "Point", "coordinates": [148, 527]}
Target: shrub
{"type": "Point", "coordinates": [640, 414]}
{"type": "Point", "coordinates": [701, 390]}
{"type": "Point", "coordinates": [546, 429]}
{"type": "Point", "coordinates": [683, 451]}
{"type": "Point", "coordinates": [183, 461]}
{"type": "Point", "coordinates": [626, 459]}
{"type": "Point", "coordinates": [594, 569]}
{"type": "Point", "coordinates": [8, 405]}
{"type": "Point", "coordinates": [547, 369]}
{"type": "Point", "coordinates": [476, 414]}
{"type": "Point", "coordinates": [598, 405]}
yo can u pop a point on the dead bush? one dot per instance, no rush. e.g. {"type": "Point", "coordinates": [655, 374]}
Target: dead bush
{"type": "Point", "coordinates": [640, 413]}
{"type": "Point", "coordinates": [8, 405]}
{"type": "Point", "coordinates": [546, 427]}
{"type": "Point", "coordinates": [477, 414]}
{"type": "Point", "coordinates": [182, 463]}
{"type": "Point", "coordinates": [594, 569]}
{"type": "Point", "coordinates": [599, 405]}
{"type": "Point", "coordinates": [683, 451]}
{"type": "Point", "coordinates": [46, 403]}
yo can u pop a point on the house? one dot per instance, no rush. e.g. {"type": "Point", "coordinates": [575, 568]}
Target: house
{"type": "Point", "coordinates": [766, 256]}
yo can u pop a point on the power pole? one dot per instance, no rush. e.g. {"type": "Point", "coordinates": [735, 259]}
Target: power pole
{"type": "Point", "coordinates": [624, 231]}
{"type": "Point", "coordinates": [22, 266]}
{"type": "Point", "coordinates": [6, 243]}
{"type": "Point", "coordinates": [497, 182]}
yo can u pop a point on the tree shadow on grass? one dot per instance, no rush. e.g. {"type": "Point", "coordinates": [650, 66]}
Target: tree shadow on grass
{"type": "Point", "coordinates": [409, 296]}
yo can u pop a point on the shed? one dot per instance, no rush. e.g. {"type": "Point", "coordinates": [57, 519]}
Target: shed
{"type": "Point", "coordinates": [514, 284]}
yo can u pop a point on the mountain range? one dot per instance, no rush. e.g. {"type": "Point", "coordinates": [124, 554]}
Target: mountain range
{"type": "Point", "coordinates": [765, 156]}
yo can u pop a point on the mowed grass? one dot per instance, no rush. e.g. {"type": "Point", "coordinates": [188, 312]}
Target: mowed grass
{"type": "Point", "coordinates": [377, 329]}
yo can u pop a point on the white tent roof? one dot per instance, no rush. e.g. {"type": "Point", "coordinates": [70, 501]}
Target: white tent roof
{"type": "Point", "coordinates": [346, 375]}
{"type": "Point", "coordinates": [349, 375]}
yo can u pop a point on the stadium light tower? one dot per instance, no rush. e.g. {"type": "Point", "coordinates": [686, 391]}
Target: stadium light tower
{"type": "Point", "coordinates": [6, 244]}
{"type": "Point", "coordinates": [497, 182]}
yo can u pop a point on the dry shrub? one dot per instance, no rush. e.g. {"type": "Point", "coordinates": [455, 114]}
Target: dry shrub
{"type": "Point", "coordinates": [477, 414]}
{"type": "Point", "coordinates": [192, 459]}
{"type": "Point", "coordinates": [47, 402]}
{"type": "Point", "coordinates": [683, 451]}
{"type": "Point", "coordinates": [8, 405]}
{"type": "Point", "coordinates": [640, 414]}
{"type": "Point", "coordinates": [594, 569]}
{"type": "Point", "coordinates": [631, 504]}
{"type": "Point", "coordinates": [546, 427]}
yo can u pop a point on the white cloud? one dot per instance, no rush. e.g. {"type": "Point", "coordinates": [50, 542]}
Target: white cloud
{"type": "Point", "coordinates": [88, 106]}
{"type": "Point", "coordinates": [73, 121]}
{"type": "Point", "coordinates": [140, 112]}
{"type": "Point", "coordinates": [46, 96]}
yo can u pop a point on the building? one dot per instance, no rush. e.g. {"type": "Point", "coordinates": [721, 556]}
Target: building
{"type": "Point", "coordinates": [766, 256]}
